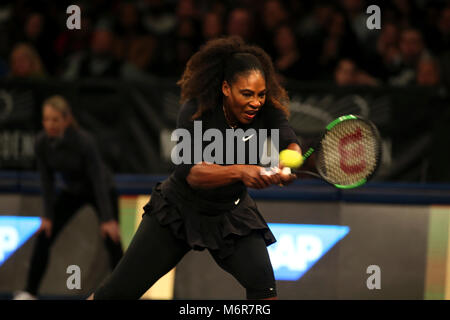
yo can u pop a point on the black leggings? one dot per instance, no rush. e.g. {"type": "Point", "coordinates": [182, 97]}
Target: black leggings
{"type": "Point", "coordinates": [65, 208]}
{"type": "Point", "coordinates": [154, 251]}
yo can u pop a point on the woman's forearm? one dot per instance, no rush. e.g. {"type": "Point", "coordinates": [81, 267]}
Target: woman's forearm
{"type": "Point", "coordinates": [206, 175]}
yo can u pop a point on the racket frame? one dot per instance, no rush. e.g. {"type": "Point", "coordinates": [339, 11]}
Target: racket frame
{"type": "Point", "coordinates": [316, 148]}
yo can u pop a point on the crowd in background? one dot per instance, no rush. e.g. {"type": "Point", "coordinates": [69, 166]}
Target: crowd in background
{"type": "Point", "coordinates": [320, 41]}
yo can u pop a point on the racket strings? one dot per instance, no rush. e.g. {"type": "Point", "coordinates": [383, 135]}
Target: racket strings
{"type": "Point", "coordinates": [349, 152]}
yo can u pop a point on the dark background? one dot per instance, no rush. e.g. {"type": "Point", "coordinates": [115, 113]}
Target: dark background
{"type": "Point", "coordinates": [119, 73]}
{"type": "Point", "coordinates": [133, 122]}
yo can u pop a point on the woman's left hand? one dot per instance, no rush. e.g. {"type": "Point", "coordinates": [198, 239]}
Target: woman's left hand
{"type": "Point", "coordinates": [110, 229]}
{"type": "Point", "coordinates": [286, 178]}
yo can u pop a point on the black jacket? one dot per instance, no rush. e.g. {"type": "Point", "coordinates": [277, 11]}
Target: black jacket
{"type": "Point", "coordinates": [76, 158]}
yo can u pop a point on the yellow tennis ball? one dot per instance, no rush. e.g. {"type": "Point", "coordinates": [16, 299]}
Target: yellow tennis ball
{"type": "Point", "coordinates": [290, 158]}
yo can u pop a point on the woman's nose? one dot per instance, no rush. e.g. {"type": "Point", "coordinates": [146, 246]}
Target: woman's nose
{"type": "Point", "coordinates": [255, 104]}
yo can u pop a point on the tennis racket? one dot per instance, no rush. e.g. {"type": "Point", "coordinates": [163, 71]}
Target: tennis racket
{"type": "Point", "coordinates": [347, 154]}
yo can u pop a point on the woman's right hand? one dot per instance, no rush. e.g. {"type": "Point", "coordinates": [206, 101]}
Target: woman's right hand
{"type": "Point", "coordinates": [46, 226]}
{"type": "Point", "coordinates": [252, 178]}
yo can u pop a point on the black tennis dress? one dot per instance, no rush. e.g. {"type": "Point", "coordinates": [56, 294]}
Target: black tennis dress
{"type": "Point", "coordinates": [214, 218]}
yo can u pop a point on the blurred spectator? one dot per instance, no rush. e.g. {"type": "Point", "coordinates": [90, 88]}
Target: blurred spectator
{"type": "Point", "coordinates": [315, 23]}
{"type": "Point", "coordinates": [25, 62]}
{"type": "Point", "coordinates": [388, 37]}
{"type": "Point", "coordinates": [289, 60]}
{"type": "Point", "coordinates": [412, 50]}
{"type": "Point", "coordinates": [34, 26]}
{"type": "Point", "coordinates": [69, 43]}
{"type": "Point", "coordinates": [212, 26]}
{"type": "Point", "coordinates": [325, 32]}
{"type": "Point", "coordinates": [427, 73]}
{"type": "Point", "coordinates": [127, 28]}
{"type": "Point", "coordinates": [365, 79]}
{"type": "Point", "coordinates": [273, 15]}
{"type": "Point", "coordinates": [217, 6]}
{"type": "Point", "coordinates": [431, 15]}
{"type": "Point", "coordinates": [99, 61]}
{"type": "Point", "coordinates": [129, 22]}
{"type": "Point", "coordinates": [6, 25]}
{"type": "Point", "coordinates": [384, 59]}
{"type": "Point", "coordinates": [411, 46]}
{"type": "Point", "coordinates": [339, 42]}
{"type": "Point", "coordinates": [405, 13]}
{"type": "Point", "coordinates": [240, 23]}
{"type": "Point", "coordinates": [355, 13]}
{"type": "Point", "coordinates": [186, 9]}
{"type": "Point", "coordinates": [186, 42]}
{"type": "Point", "coordinates": [97, 10]}
{"type": "Point", "coordinates": [443, 31]}
{"type": "Point", "coordinates": [188, 29]}
{"type": "Point", "coordinates": [158, 18]}
{"type": "Point", "coordinates": [347, 74]}
{"type": "Point", "coordinates": [140, 56]}
{"type": "Point", "coordinates": [38, 32]}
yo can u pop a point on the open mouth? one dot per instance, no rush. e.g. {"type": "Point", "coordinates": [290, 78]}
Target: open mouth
{"type": "Point", "coordinates": [250, 114]}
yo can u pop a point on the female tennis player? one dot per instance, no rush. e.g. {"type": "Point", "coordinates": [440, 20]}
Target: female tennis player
{"type": "Point", "coordinates": [65, 148]}
{"type": "Point", "coordinates": [227, 85]}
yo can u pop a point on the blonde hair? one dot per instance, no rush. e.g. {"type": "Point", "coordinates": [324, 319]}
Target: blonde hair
{"type": "Point", "coordinates": [60, 104]}
{"type": "Point", "coordinates": [38, 69]}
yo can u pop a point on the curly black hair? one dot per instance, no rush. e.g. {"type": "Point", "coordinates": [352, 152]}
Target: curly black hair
{"type": "Point", "coordinates": [225, 59]}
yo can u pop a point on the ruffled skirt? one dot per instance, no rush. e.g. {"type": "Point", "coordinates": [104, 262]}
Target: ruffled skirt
{"type": "Point", "coordinates": [206, 225]}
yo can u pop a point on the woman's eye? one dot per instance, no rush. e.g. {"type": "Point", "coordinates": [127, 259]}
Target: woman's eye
{"type": "Point", "coordinates": [247, 94]}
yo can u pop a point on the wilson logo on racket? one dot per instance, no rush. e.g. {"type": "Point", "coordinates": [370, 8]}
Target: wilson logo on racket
{"type": "Point", "coordinates": [351, 148]}
{"type": "Point", "coordinates": [347, 154]}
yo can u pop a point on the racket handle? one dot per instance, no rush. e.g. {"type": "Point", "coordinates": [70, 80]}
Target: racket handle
{"type": "Point", "coordinates": [308, 153]}
{"type": "Point", "coordinates": [269, 171]}
{"type": "Point", "coordinates": [275, 170]}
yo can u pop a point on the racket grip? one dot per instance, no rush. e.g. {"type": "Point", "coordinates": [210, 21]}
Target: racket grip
{"type": "Point", "coordinates": [269, 171]}
{"type": "Point", "coordinates": [308, 153]}
{"type": "Point", "coordinates": [275, 170]}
